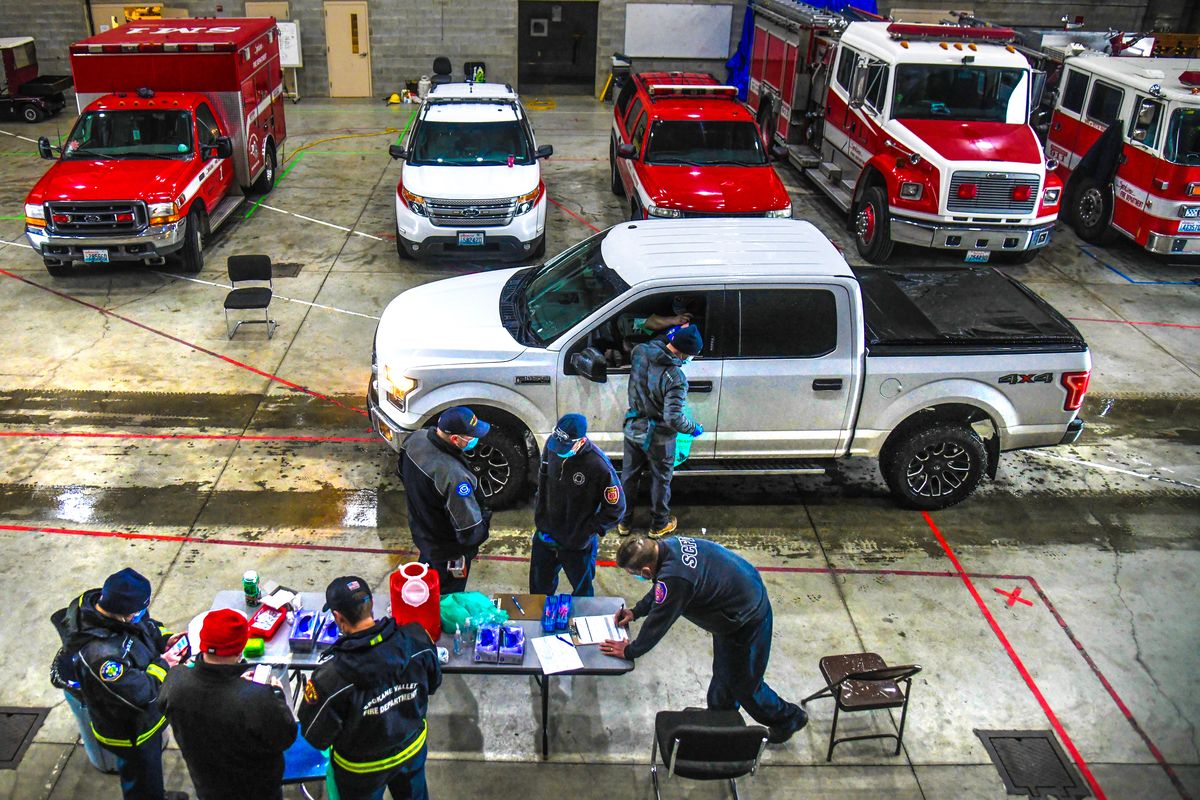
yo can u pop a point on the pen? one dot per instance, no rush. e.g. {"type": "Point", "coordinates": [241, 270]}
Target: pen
{"type": "Point", "coordinates": [517, 604]}
{"type": "Point", "coordinates": [562, 638]}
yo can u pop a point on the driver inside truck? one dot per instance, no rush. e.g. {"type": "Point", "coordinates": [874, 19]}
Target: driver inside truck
{"type": "Point", "coordinates": [644, 320]}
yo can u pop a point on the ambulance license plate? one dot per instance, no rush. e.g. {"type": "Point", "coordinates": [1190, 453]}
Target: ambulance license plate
{"type": "Point", "coordinates": [977, 256]}
{"type": "Point", "coordinates": [1187, 226]}
{"type": "Point", "coordinates": [95, 256]}
{"type": "Point", "coordinates": [470, 239]}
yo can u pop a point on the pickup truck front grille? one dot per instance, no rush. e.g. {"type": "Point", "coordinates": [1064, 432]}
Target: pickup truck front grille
{"type": "Point", "coordinates": [471, 213]}
{"type": "Point", "coordinates": [993, 193]}
{"type": "Point", "coordinates": [96, 219]}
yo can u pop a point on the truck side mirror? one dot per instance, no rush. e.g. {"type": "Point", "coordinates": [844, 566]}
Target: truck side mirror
{"type": "Point", "coordinates": [221, 148]}
{"type": "Point", "coordinates": [545, 151]}
{"type": "Point", "coordinates": [398, 152]}
{"type": "Point", "coordinates": [44, 148]}
{"type": "Point", "coordinates": [589, 362]}
{"type": "Point", "coordinates": [626, 151]}
{"type": "Point", "coordinates": [858, 83]}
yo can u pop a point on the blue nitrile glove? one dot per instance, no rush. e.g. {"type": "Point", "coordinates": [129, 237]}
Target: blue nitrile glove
{"type": "Point", "coordinates": [698, 432]}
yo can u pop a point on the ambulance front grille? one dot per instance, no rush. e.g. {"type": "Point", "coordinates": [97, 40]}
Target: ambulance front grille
{"type": "Point", "coordinates": [96, 219]}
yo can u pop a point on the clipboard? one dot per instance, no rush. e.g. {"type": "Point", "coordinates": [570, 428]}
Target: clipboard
{"type": "Point", "coordinates": [533, 605]}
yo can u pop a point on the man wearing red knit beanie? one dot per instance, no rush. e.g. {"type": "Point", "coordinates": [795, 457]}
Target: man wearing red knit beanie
{"type": "Point", "coordinates": [232, 732]}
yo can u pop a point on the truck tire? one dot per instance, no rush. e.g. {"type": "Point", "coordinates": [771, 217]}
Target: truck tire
{"type": "Point", "coordinates": [539, 249]}
{"type": "Point", "coordinates": [266, 180]}
{"type": "Point", "coordinates": [934, 467]}
{"type": "Point", "coordinates": [191, 256]}
{"type": "Point", "coordinates": [501, 466]}
{"type": "Point", "coordinates": [618, 188]}
{"type": "Point", "coordinates": [31, 113]}
{"type": "Point", "coordinates": [635, 211]}
{"type": "Point", "coordinates": [402, 251]}
{"type": "Point", "coordinates": [872, 226]}
{"type": "Point", "coordinates": [1091, 211]}
{"type": "Point", "coordinates": [1023, 257]}
{"type": "Point", "coordinates": [56, 268]}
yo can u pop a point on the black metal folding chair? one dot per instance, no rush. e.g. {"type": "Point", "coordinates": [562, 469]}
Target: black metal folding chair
{"type": "Point", "coordinates": [706, 745]}
{"type": "Point", "coordinates": [244, 269]}
{"type": "Point", "coordinates": [863, 682]}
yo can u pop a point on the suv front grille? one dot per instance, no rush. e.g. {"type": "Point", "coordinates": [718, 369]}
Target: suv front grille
{"type": "Point", "coordinates": [993, 193]}
{"type": "Point", "coordinates": [100, 219]}
{"type": "Point", "coordinates": [471, 213]}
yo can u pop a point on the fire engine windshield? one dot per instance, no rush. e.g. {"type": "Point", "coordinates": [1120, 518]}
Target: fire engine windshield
{"type": "Point", "coordinates": [700, 143]}
{"type": "Point", "coordinates": [462, 144]}
{"type": "Point", "coordinates": [132, 133]}
{"type": "Point", "coordinates": [960, 92]}
{"type": "Point", "coordinates": [1183, 137]}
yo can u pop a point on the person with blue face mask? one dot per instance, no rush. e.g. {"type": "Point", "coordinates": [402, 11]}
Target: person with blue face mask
{"type": "Point", "coordinates": [579, 499]}
{"type": "Point", "coordinates": [117, 658]}
{"type": "Point", "coordinates": [446, 513]}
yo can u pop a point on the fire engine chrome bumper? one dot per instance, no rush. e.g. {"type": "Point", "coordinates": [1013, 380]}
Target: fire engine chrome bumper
{"type": "Point", "coordinates": [152, 242]}
{"type": "Point", "coordinates": [1006, 239]}
{"type": "Point", "coordinates": [1173, 244]}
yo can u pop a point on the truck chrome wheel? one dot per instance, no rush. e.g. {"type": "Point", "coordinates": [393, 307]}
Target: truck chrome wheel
{"type": "Point", "coordinates": [491, 468]}
{"type": "Point", "coordinates": [864, 223]}
{"type": "Point", "coordinates": [938, 470]}
{"type": "Point", "coordinates": [1091, 206]}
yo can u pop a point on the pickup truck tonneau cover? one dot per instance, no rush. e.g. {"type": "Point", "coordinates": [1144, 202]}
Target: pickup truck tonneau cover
{"type": "Point", "coordinates": [933, 309]}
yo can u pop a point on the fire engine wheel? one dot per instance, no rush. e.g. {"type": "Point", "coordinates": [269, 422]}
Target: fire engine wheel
{"type": "Point", "coordinates": [935, 467]}
{"type": "Point", "coordinates": [618, 188]}
{"type": "Point", "coordinates": [31, 113]}
{"type": "Point", "coordinates": [266, 181]}
{"type": "Point", "coordinates": [1092, 211]}
{"type": "Point", "coordinates": [191, 256]}
{"type": "Point", "coordinates": [871, 227]}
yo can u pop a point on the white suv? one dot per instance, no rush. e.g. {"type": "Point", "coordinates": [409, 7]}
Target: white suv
{"type": "Point", "coordinates": [471, 181]}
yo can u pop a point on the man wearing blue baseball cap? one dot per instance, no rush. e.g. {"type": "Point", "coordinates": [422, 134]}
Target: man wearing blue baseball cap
{"type": "Point", "coordinates": [119, 656]}
{"type": "Point", "coordinates": [446, 514]}
{"type": "Point", "coordinates": [579, 499]}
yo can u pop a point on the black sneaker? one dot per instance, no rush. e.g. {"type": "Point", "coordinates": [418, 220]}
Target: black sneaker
{"type": "Point", "coordinates": [778, 734]}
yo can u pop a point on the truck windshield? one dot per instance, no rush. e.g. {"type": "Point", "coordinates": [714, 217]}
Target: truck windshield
{"type": "Point", "coordinates": [568, 288]}
{"type": "Point", "coordinates": [464, 144]}
{"type": "Point", "coordinates": [960, 92]}
{"type": "Point", "coordinates": [135, 133]}
{"type": "Point", "coordinates": [700, 143]}
{"type": "Point", "coordinates": [1183, 137]}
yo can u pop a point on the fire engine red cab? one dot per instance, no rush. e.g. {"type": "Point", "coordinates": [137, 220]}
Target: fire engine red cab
{"type": "Point", "coordinates": [178, 119]}
{"type": "Point", "coordinates": [920, 133]}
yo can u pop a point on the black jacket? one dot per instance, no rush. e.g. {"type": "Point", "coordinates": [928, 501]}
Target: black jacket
{"type": "Point", "coordinates": [232, 732]}
{"type": "Point", "coordinates": [119, 668]}
{"type": "Point", "coordinates": [446, 514]}
{"type": "Point", "coordinates": [370, 698]}
{"type": "Point", "coordinates": [577, 497]}
{"type": "Point", "coordinates": [657, 395]}
{"type": "Point", "coordinates": [703, 582]}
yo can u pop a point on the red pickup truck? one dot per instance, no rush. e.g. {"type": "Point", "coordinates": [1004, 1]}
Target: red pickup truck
{"type": "Point", "coordinates": [684, 146]}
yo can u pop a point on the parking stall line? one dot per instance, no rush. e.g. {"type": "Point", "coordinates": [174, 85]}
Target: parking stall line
{"type": "Point", "coordinates": [279, 296]}
{"type": "Point", "coordinates": [321, 222]}
{"type": "Point", "coordinates": [19, 136]}
{"type": "Point", "coordinates": [15, 244]}
{"type": "Point", "coordinates": [1110, 468]}
{"type": "Point", "coordinates": [571, 213]}
{"type": "Point", "coordinates": [1131, 322]}
{"type": "Point", "coordinates": [1111, 268]}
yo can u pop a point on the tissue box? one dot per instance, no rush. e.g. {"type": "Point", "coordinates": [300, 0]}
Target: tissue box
{"type": "Point", "coordinates": [303, 637]}
{"type": "Point", "coordinates": [487, 644]}
{"type": "Point", "coordinates": [512, 645]}
{"type": "Point", "coordinates": [329, 632]}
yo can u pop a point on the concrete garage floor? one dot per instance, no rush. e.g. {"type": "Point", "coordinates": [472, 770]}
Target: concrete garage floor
{"type": "Point", "coordinates": [1101, 537]}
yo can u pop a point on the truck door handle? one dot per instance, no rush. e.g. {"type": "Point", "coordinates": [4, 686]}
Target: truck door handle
{"type": "Point", "coordinates": [1058, 126]}
{"type": "Point", "coordinates": [827, 385]}
{"type": "Point", "coordinates": [700, 387]}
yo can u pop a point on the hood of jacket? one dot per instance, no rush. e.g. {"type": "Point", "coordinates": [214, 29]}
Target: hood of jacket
{"type": "Point", "coordinates": [354, 650]}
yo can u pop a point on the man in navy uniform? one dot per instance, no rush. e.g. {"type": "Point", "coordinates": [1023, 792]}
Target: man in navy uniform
{"type": "Point", "coordinates": [446, 515]}
{"type": "Point", "coordinates": [723, 594]}
{"type": "Point", "coordinates": [579, 499]}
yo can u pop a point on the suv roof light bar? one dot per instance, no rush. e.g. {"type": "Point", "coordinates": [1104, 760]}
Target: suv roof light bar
{"type": "Point", "coordinates": [914, 30]}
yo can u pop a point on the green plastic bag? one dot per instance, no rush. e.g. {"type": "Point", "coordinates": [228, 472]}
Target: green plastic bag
{"type": "Point", "coordinates": [467, 610]}
{"type": "Point", "coordinates": [683, 447]}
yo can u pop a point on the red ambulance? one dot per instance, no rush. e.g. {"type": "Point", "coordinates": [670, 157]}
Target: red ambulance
{"type": "Point", "coordinates": [179, 119]}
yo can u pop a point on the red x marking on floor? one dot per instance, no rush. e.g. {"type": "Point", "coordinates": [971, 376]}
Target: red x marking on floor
{"type": "Point", "coordinates": [1014, 597]}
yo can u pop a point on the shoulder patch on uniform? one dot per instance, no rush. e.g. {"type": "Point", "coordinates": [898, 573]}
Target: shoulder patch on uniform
{"type": "Point", "coordinates": [612, 494]}
{"type": "Point", "coordinates": [111, 670]}
{"type": "Point", "coordinates": [463, 489]}
{"type": "Point", "coordinates": [310, 692]}
{"type": "Point", "coordinates": [660, 592]}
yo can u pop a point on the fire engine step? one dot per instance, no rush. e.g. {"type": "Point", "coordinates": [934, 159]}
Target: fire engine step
{"type": "Point", "coordinates": [802, 156]}
{"type": "Point", "coordinates": [834, 188]}
{"type": "Point", "coordinates": [831, 171]}
{"type": "Point", "coordinates": [223, 210]}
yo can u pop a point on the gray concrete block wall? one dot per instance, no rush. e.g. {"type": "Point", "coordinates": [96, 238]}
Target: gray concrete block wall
{"type": "Point", "coordinates": [54, 26]}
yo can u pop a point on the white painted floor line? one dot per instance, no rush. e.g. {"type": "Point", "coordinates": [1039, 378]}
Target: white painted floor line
{"type": "Point", "coordinates": [1110, 468]}
{"type": "Point", "coordinates": [15, 244]}
{"type": "Point", "coordinates": [320, 222]}
{"type": "Point", "coordinates": [281, 297]}
{"type": "Point", "coordinates": [19, 136]}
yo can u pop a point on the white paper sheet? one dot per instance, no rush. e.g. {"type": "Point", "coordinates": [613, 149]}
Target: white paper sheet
{"type": "Point", "coordinates": [596, 629]}
{"type": "Point", "coordinates": [556, 655]}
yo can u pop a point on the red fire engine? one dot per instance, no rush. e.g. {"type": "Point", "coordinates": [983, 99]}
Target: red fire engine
{"type": "Point", "coordinates": [920, 133]}
{"type": "Point", "coordinates": [177, 120]}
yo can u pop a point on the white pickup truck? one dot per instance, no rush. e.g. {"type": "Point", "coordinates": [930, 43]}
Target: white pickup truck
{"type": "Point", "coordinates": [933, 371]}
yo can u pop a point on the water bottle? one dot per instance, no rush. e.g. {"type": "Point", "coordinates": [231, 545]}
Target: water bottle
{"type": "Point", "coordinates": [458, 642]}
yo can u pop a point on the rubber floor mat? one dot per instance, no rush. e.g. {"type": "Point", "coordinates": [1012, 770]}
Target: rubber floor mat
{"type": "Point", "coordinates": [17, 728]}
{"type": "Point", "coordinates": [1032, 763]}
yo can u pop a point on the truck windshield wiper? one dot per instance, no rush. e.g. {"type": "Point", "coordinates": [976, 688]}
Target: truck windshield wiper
{"type": "Point", "coordinates": [96, 153]}
{"type": "Point", "coordinates": [670, 161]}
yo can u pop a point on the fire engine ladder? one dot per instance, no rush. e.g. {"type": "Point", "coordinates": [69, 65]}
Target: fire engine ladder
{"type": "Point", "coordinates": [793, 15]}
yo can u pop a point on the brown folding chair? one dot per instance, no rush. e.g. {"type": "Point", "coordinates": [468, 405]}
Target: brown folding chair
{"type": "Point", "coordinates": [863, 682]}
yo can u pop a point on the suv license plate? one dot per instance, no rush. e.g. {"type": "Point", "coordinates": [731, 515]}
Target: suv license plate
{"type": "Point", "coordinates": [977, 256]}
{"type": "Point", "coordinates": [95, 256]}
{"type": "Point", "coordinates": [472, 239]}
{"type": "Point", "coordinates": [1188, 226]}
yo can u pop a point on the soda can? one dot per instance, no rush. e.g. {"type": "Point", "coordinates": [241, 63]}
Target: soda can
{"type": "Point", "coordinates": [251, 588]}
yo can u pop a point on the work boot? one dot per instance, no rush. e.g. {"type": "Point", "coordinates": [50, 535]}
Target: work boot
{"type": "Point", "coordinates": [778, 734]}
{"type": "Point", "coordinates": [671, 525]}
{"type": "Point", "coordinates": [623, 530]}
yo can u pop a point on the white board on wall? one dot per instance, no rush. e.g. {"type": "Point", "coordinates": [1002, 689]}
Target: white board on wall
{"type": "Point", "coordinates": [289, 44]}
{"type": "Point", "coordinates": [677, 30]}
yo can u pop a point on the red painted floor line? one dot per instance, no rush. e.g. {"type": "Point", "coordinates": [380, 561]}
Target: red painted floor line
{"type": "Point", "coordinates": [184, 342]}
{"type": "Point", "coordinates": [1131, 322]}
{"type": "Point", "coordinates": [1017, 662]}
{"type": "Point", "coordinates": [573, 214]}
{"type": "Point", "coordinates": [220, 437]}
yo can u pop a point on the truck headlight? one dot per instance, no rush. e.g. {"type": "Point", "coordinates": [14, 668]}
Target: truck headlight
{"type": "Point", "coordinates": [398, 386]}
{"type": "Point", "coordinates": [415, 202]}
{"type": "Point", "coordinates": [659, 211]}
{"type": "Point", "coordinates": [163, 213]}
{"type": "Point", "coordinates": [911, 190]}
{"type": "Point", "coordinates": [35, 215]}
{"type": "Point", "coordinates": [781, 213]}
{"type": "Point", "coordinates": [1050, 197]}
{"type": "Point", "coordinates": [528, 201]}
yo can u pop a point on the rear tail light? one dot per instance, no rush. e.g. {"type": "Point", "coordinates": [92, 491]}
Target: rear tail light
{"type": "Point", "coordinates": [1076, 384]}
{"type": "Point", "coordinates": [967, 191]}
{"type": "Point", "coordinates": [1021, 193]}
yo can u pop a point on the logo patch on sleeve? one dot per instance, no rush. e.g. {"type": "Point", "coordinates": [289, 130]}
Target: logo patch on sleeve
{"type": "Point", "coordinates": [660, 592]}
{"type": "Point", "coordinates": [111, 671]}
{"type": "Point", "coordinates": [612, 494]}
{"type": "Point", "coordinates": [310, 692]}
{"type": "Point", "coordinates": [463, 489]}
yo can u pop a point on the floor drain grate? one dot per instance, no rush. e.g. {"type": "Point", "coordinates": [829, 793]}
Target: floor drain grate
{"type": "Point", "coordinates": [17, 728]}
{"type": "Point", "coordinates": [286, 269]}
{"type": "Point", "coordinates": [1032, 763]}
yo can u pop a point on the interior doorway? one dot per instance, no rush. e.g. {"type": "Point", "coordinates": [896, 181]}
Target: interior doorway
{"type": "Point", "coordinates": [348, 48]}
{"type": "Point", "coordinates": [556, 44]}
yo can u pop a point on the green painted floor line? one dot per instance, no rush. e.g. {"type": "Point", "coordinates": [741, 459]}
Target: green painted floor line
{"type": "Point", "coordinates": [407, 125]}
{"type": "Point", "coordinates": [11, 218]}
{"type": "Point", "coordinates": [282, 175]}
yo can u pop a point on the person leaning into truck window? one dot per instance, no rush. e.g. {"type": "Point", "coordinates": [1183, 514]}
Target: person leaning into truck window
{"type": "Point", "coordinates": [633, 325]}
{"type": "Point", "coordinates": [579, 499]}
{"type": "Point", "coordinates": [446, 515]}
{"type": "Point", "coordinates": [657, 414]}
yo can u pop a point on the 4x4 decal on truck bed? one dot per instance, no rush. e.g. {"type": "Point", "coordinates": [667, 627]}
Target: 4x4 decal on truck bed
{"type": "Point", "coordinates": [1015, 378]}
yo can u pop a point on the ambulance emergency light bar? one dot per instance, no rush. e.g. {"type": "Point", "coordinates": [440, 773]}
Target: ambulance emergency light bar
{"type": "Point", "coordinates": [156, 47]}
{"type": "Point", "coordinates": [914, 30]}
{"type": "Point", "coordinates": [658, 89]}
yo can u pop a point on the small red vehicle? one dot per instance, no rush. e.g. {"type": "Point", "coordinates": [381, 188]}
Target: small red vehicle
{"type": "Point", "coordinates": [684, 146]}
